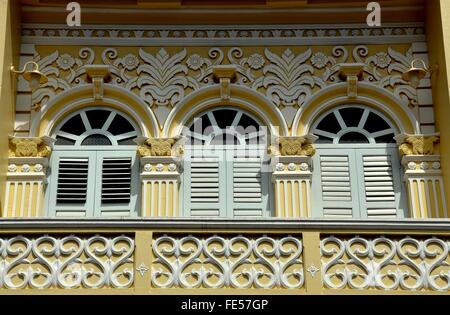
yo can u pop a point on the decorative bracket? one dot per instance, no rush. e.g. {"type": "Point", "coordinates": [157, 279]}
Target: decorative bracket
{"type": "Point", "coordinates": [294, 146]}
{"type": "Point", "coordinates": [30, 147]}
{"type": "Point", "coordinates": [417, 144]}
{"type": "Point", "coordinates": [98, 75]}
{"type": "Point", "coordinates": [160, 147]}
{"type": "Point", "coordinates": [225, 75]}
{"type": "Point", "coordinates": [352, 73]}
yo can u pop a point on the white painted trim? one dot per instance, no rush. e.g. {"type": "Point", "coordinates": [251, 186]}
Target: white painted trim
{"type": "Point", "coordinates": [362, 100]}
{"type": "Point", "coordinates": [206, 102]}
{"type": "Point", "coordinates": [86, 97]}
{"type": "Point", "coordinates": [204, 224]}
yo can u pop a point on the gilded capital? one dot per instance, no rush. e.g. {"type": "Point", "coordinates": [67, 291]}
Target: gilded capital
{"type": "Point", "coordinates": [160, 147]}
{"type": "Point", "coordinates": [30, 147]}
{"type": "Point", "coordinates": [294, 146]}
{"type": "Point", "coordinates": [417, 144]}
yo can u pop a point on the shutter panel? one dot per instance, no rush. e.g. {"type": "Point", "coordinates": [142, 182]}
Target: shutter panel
{"type": "Point", "coordinates": [205, 183]}
{"type": "Point", "coordinates": [116, 181]}
{"type": "Point", "coordinates": [337, 196]}
{"type": "Point", "coordinates": [116, 175]}
{"type": "Point", "coordinates": [249, 185]}
{"type": "Point", "coordinates": [72, 181]}
{"type": "Point", "coordinates": [380, 195]}
{"type": "Point", "coordinates": [71, 184]}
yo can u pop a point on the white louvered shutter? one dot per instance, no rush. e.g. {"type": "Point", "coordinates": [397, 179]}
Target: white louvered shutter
{"type": "Point", "coordinates": [381, 190]}
{"type": "Point", "coordinates": [206, 188]}
{"type": "Point", "coordinates": [71, 192]}
{"type": "Point", "coordinates": [249, 184]}
{"type": "Point", "coordinates": [116, 175]}
{"type": "Point", "coordinates": [335, 192]}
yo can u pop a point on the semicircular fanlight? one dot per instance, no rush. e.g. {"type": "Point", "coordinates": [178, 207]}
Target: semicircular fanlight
{"type": "Point", "coordinates": [96, 127]}
{"type": "Point", "coordinates": [352, 125]}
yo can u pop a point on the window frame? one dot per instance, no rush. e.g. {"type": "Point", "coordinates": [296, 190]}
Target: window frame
{"type": "Point", "coordinates": [355, 153]}
{"type": "Point", "coordinates": [95, 154]}
{"type": "Point", "coordinates": [225, 154]}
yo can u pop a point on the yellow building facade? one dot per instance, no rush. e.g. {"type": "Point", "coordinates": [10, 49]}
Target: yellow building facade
{"type": "Point", "coordinates": [268, 147]}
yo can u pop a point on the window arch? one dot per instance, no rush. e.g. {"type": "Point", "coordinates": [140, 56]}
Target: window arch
{"type": "Point", "coordinates": [96, 126]}
{"type": "Point", "coordinates": [94, 165]}
{"type": "Point", "coordinates": [225, 167]}
{"type": "Point", "coordinates": [357, 166]}
{"type": "Point", "coordinates": [354, 124]}
{"type": "Point", "coordinates": [226, 126]}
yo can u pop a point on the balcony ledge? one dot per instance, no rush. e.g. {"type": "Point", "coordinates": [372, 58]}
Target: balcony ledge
{"type": "Point", "coordinates": [430, 225]}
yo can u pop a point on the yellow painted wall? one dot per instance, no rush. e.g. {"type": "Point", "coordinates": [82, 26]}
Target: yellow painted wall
{"type": "Point", "coordinates": [9, 54]}
{"type": "Point", "coordinates": [438, 31]}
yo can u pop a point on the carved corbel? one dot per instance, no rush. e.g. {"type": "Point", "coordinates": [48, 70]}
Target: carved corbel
{"type": "Point", "coordinates": [225, 75]}
{"type": "Point", "coordinates": [352, 73]}
{"type": "Point", "coordinates": [417, 144]}
{"type": "Point", "coordinates": [160, 147]}
{"type": "Point", "coordinates": [30, 147]}
{"type": "Point", "coordinates": [98, 75]}
{"type": "Point", "coordinates": [294, 146]}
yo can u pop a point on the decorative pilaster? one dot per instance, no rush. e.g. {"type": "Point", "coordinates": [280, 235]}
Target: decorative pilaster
{"type": "Point", "coordinates": [160, 176]}
{"type": "Point", "coordinates": [292, 176]}
{"type": "Point", "coordinates": [26, 176]}
{"type": "Point", "coordinates": [423, 176]}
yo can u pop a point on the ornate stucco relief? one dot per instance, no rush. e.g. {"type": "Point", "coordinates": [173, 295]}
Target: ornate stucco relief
{"type": "Point", "coordinates": [386, 263]}
{"type": "Point", "coordinates": [288, 77]}
{"type": "Point", "coordinates": [30, 147]}
{"type": "Point", "coordinates": [68, 262]}
{"type": "Point", "coordinates": [227, 262]}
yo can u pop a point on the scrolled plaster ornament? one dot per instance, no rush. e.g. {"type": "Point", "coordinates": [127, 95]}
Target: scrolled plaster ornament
{"type": "Point", "coordinates": [157, 147]}
{"type": "Point", "coordinates": [38, 168]}
{"type": "Point", "coordinates": [28, 147]}
{"type": "Point", "coordinates": [227, 262]}
{"type": "Point", "coordinates": [386, 263]}
{"type": "Point", "coordinates": [297, 146]}
{"type": "Point", "coordinates": [279, 167]}
{"type": "Point", "coordinates": [148, 167]}
{"type": "Point", "coordinates": [436, 165]}
{"type": "Point", "coordinates": [292, 167]}
{"type": "Point", "coordinates": [417, 144]}
{"type": "Point", "coordinates": [12, 168]}
{"type": "Point", "coordinates": [26, 168]}
{"type": "Point", "coordinates": [412, 166]}
{"type": "Point", "coordinates": [159, 167]}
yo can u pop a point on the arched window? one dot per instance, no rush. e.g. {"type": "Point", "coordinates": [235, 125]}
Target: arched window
{"type": "Point", "coordinates": [94, 166]}
{"type": "Point", "coordinates": [225, 169]}
{"type": "Point", "coordinates": [357, 167]}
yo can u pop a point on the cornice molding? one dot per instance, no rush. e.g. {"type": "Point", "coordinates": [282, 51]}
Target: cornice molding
{"type": "Point", "coordinates": [222, 35]}
{"type": "Point", "coordinates": [205, 224]}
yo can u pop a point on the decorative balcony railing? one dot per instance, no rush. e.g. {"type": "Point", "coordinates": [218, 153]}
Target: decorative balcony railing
{"type": "Point", "coordinates": [155, 256]}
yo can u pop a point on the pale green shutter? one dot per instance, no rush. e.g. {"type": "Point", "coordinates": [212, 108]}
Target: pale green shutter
{"type": "Point", "coordinates": [248, 184]}
{"type": "Point", "coordinates": [205, 187]}
{"type": "Point", "coordinates": [71, 184]}
{"type": "Point", "coordinates": [117, 184]}
{"type": "Point", "coordinates": [335, 192]}
{"type": "Point", "coordinates": [381, 188]}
